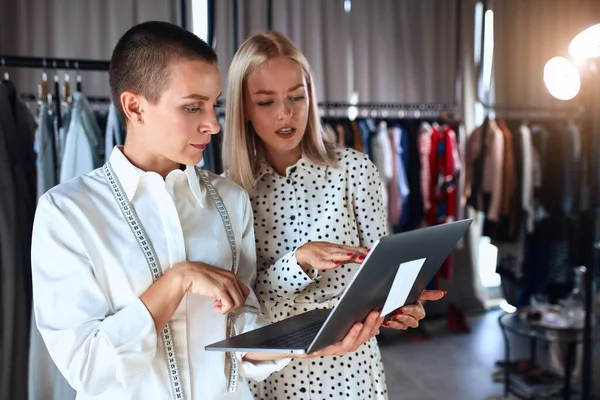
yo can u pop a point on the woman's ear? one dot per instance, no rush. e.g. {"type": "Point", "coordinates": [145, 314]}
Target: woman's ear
{"type": "Point", "coordinates": [132, 106]}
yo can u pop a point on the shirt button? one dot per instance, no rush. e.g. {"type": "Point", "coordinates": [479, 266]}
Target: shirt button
{"type": "Point", "coordinates": [293, 217]}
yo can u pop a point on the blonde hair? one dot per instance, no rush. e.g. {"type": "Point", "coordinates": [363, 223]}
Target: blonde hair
{"type": "Point", "coordinates": [242, 150]}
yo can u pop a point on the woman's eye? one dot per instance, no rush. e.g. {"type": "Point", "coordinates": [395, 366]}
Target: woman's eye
{"type": "Point", "coordinates": [299, 98]}
{"type": "Point", "coordinates": [264, 103]}
{"type": "Point", "coordinates": [192, 110]}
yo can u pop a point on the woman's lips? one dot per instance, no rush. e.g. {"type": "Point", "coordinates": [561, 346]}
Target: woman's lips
{"type": "Point", "coordinates": [286, 132]}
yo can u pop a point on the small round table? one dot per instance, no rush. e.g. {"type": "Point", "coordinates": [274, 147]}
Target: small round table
{"type": "Point", "coordinates": [517, 324]}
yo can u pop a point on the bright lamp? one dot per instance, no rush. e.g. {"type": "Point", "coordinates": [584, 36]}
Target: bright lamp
{"type": "Point", "coordinates": [586, 44]}
{"type": "Point", "coordinates": [562, 78]}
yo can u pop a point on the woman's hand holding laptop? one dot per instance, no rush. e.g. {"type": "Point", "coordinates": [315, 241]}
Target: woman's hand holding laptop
{"type": "Point", "coordinates": [325, 255]}
{"type": "Point", "coordinates": [356, 337]}
{"type": "Point", "coordinates": [408, 316]}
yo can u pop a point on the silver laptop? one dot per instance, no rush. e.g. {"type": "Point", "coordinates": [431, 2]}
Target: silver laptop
{"type": "Point", "coordinates": [394, 273]}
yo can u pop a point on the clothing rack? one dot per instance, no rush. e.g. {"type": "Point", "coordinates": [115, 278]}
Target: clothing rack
{"type": "Point", "coordinates": [388, 110]}
{"type": "Point", "coordinates": [533, 112]}
{"type": "Point", "coordinates": [53, 63]}
{"type": "Point", "coordinates": [30, 97]}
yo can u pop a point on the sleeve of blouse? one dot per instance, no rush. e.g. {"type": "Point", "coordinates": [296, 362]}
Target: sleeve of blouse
{"type": "Point", "coordinates": [281, 282]}
{"type": "Point", "coordinates": [92, 346]}
{"type": "Point", "coordinates": [368, 206]}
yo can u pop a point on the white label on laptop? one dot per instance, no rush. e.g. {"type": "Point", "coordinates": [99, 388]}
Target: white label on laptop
{"type": "Point", "coordinates": [405, 278]}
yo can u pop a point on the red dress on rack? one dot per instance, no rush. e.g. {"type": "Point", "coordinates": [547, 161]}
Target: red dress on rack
{"type": "Point", "coordinates": [444, 166]}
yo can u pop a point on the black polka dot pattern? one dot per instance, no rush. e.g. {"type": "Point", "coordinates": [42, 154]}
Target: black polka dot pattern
{"type": "Point", "coordinates": [339, 204]}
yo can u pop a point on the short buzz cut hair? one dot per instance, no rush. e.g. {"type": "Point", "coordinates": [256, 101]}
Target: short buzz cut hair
{"type": "Point", "coordinates": [141, 60]}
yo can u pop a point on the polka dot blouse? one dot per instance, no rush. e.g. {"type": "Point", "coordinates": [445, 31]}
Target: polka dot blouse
{"type": "Point", "coordinates": [341, 204]}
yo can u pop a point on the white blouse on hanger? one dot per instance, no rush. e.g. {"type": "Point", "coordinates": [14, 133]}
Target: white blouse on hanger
{"type": "Point", "coordinates": [89, 272]}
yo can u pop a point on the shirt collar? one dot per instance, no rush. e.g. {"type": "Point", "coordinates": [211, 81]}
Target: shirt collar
{"type": "Point", "coordinates": [194, 182]}
{"type": "Point", "coordinates": [320, 171]}
{"type": "Point", "coordinates": [129, 175]}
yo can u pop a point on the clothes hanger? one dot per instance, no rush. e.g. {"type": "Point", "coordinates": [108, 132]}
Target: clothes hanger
{"type": "Point", "coordinates": [57, 99]}
{"type": "Point", "coordinates": [79, 85]}
{"type": "Point", "coordinates": [5, 76]}
{"type": "Point", "coordinates": [67, 88]}
{"type": "Point", "coordinates": [43, 89]}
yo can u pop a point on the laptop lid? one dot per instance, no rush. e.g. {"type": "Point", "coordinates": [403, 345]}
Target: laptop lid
{"type": "Point", "coordinates": [411, 259]}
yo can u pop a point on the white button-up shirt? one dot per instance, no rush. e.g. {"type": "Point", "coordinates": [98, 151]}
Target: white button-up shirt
{"type": "Point", "coordinates": [89, 272]}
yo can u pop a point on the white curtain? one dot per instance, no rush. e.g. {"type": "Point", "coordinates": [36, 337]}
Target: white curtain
{"type": "Point", "coordinates": [526, 35]}
{"type": "Point", "coordinates": [308, 23]}
{"type": "Point", "coordinates": [404, 51]}
{"type": "Point", "coordinates": [83, 29]}
{"type": "Point", "coordinates": [386, 51]}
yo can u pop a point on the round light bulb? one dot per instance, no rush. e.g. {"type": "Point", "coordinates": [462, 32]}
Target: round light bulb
{"type": "Point", "coordinates": [562, 78]}
{"type": "Point", "coordinates": [586, 44]}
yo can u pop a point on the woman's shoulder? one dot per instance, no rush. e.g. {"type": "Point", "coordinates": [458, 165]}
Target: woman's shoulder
{"type": "Point", "coordinates": [229, 191]}
{"type": "Point", "coordinates": [348, 158]}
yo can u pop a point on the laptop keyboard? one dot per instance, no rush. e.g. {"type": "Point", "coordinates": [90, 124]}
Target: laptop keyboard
{"type": "Point", "coordinates": [299, 338]}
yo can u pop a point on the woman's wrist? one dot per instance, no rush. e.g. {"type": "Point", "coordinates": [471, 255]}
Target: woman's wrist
{"type": "Point", "coordinates": [179, 278]}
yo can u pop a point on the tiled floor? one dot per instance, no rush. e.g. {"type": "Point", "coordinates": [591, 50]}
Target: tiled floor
{"type": "Point", "coordinates": [449, 366]}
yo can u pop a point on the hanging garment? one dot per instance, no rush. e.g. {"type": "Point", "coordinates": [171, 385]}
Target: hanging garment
{"type": "Point", "coordinates": [383, 158]}
{"type": "Point", "coordinates": [115, 132]}
{"type": "Point", "coordinates": [366, 133]}
{"type": "Point", "coordinates": [84, 148]}
{"type": "Point", "coordinates": [17, 207]}
{"type": "Point", "coordinates": [461, 200]}
{"type": "Point", "coordinates": [394, 196]}
{"type": "Point", "coordinates": [556, 199]}
{"type": "Point", "coordinates": [424, 144]}
{"type": "Point", "coordinates": [46, 152]}
{"type": "Point", "coordinates": [401, 144]}
{"type": "Point", "coordinates": [339, 136]}
{"type": "Point", "coordinates": [342, 138]}
{"type": "Point", "coordinates": [397, 212]}
{"type": "Point", "coordinates": [45, 382]}
{"type": "Point", "coordinates": [485, 158]}
{"type": "Point", "coordinates": [527, 196]}
{"type": "Point", "coordinates": [331, 135]}
{"type": "Point", "coordinates": [507, 229]}
{"type": "Point", "coordinates": [415, 214]}
{"type": "Point", "coordinates": [61, 126]}
{"type": "Point", "coordinates": [444, 166]}
{"type": "Point", "coordinates": [357, 138]}
{"type": "Point", "coordinates": [405, 191]}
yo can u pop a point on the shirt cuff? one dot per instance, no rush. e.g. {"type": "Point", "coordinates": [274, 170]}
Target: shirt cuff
{"type": "Point", "coordinates": [131, 333]}
{"type": "Point", "coordinates": [304, 278]}
{"type": "Point", "coordinates": [260, 370]}
{"type": "Point", "coordinates": [245, 321]}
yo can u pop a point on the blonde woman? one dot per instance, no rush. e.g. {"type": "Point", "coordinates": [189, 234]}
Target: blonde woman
{"type": "Point", "coordinates": [317, 211]}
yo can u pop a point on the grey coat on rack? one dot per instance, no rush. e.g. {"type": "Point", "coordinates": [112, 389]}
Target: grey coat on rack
{"type": "Point", "coordinates": [17, 207]}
